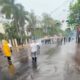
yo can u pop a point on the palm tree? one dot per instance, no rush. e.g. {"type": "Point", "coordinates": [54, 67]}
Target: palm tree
{"type": "Point", "coordinates": [19, 20]}
{"type": "Point", "coordinates": [17, 14]}
{"type": "Point", "coordinates": [7, 7]}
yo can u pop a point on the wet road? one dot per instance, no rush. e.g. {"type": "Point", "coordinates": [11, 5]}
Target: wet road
{"type": "Point", "coordinates": [57, 63]}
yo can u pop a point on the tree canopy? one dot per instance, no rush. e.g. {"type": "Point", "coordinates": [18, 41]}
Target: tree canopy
{"type": "Point", "coordinates": [74, 16]}
{"type": "Point", "coordinates": [23, 21]}
{"type": "Point", "coordinates": [50, 25]}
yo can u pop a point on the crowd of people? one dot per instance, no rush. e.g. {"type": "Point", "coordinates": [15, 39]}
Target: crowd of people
{"type": "Point", "coordinates": [6, 48]}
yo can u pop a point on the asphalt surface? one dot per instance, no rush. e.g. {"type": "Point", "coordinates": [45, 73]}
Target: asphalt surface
{"type": "Point", "coordinates": [54, 63]}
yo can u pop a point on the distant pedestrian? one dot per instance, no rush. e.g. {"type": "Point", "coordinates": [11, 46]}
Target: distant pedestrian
{"type": "Point", "coordinates": [38, 48]}
{"type": "Point", "coordinates": [69, 39]}
{"type": "Point", "coordinates": [6, 50]}
{"type": "Point", "coordinates": [64, 40]}
{"type": "Point", "coordinates": [61, 41]}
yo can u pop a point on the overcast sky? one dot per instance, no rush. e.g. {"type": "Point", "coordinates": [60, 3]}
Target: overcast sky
{"type": "Point", "coordinates": [57, 8]}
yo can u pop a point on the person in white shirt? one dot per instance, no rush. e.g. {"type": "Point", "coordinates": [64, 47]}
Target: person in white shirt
{"type": "Point", "coordinates": [33, 47]}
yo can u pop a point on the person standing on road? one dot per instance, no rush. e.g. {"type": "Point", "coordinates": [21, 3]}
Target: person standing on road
{"type": "Point", "coordinates": [61, 41]}
{"type": "Point", "coordinates": [33, 47]}
{"type": "Point", "coordinates": [64, 40]}
{"type": "Point", "coordinates": [69, 39]}
{"type": "Point", "coordinates": [6, 50]}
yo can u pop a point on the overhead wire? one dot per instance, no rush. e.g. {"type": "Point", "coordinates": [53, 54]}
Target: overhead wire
{"type": "Point", "coordinates": [60, 6]}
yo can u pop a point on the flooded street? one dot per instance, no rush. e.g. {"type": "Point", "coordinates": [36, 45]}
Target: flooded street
{"type": "Point", "coordinates": [57, 63]}
{"type": "Point", "coordinates": [39, 40]}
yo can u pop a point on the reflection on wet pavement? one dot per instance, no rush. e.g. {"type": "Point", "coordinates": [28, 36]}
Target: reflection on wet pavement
{"type": "Point", "coordinates": [60, 66]}
{"type": "Point", "coordinates": [0, 74]}
{"type": "Point", "coordinates": [77, 55]}
{"type": "Point", "coordinates": [11, 69]}
{"type": "Point", "coordinates": [72, 65]}
{"type": "Point", "coordinates": [59, 63]}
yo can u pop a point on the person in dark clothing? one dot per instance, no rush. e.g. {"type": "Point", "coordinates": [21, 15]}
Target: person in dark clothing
{"type": "Point", "coordinates": [69, 39]}
{"type": "Point", "coordinates": [64, 40]}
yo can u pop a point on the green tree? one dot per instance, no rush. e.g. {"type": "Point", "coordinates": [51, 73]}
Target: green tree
{"type": "Point", "coordinates": [19, 20]}
{"type": "Point", "coordinates": [74, 16]}
{"type": "Point", "coordinates": [50, 26]}
{"type": "Point", "coordinates": [17, 14]}
{"type": "Point", "coordinates": [7, 7]}
{"type": "Point", "coordinates": [32, 21]}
